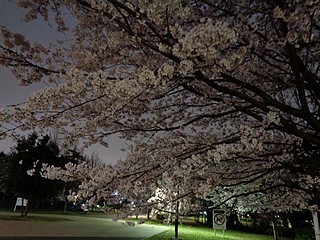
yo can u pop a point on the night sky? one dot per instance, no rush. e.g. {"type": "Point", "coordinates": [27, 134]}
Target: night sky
{"type": "Point", "coordinates": [12, 93]}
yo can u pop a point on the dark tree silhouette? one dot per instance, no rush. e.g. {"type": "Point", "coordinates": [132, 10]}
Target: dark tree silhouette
{"type": "Point", "coordinates": [21, 176]}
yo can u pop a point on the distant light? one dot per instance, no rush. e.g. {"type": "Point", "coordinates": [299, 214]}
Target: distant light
{"type": "Point", "coordinates": [115, 193]}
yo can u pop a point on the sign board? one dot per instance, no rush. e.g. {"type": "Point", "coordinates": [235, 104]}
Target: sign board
{"type": "Point", "coordinates": [21, 202]}
{"type": "Point", "coordinates": [219, 219]}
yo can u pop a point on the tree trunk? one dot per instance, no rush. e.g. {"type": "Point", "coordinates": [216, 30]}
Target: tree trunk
{"type": "Point", "coordinates": [275, 227]}
{"type": "Point", "coordinates": [284, 218]}
{"type": "Point", "coordinates": [26, 210]}
{"type": "Point", "coordinates": [316, 225]}
{"type": "Point", "coordinates": [22, 212]}
{"type": "Point", "coordinates": [65, 205]}
{"type": "Point", "coordinates": [176, 221]}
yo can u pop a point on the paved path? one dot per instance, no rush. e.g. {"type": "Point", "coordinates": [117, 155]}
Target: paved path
{"type": "Point", "coordinates": [75, 228]}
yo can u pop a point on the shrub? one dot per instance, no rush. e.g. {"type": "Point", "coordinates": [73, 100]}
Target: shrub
{"type": "Point", "coordinates": [160, 216]}
{"type": "Point", "coordinates": [304, 234]}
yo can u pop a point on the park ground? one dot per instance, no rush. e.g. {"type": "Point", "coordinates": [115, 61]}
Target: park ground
{"type": "Point", "coordinates": [99, 226]}
{"type": "Point", "coordinates": [71, 226]}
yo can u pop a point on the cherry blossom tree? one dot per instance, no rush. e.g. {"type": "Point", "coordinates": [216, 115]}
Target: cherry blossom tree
{"type": "Point", "coordinates": [212, 94]}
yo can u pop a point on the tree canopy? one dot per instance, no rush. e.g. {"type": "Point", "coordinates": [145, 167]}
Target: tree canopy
{"type": "Point", "coordinates": [21, 169]}
{"type": "Point", "coordinates": [216, 96]}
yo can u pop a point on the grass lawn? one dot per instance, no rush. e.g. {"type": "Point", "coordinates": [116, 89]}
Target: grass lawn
{"type": "Point", "coordinates": [203, 233]}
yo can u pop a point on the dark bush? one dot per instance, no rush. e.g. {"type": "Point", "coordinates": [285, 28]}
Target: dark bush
{"type": "Point", "coordinates": [160, 216]}
{"type": "Point", "coordinates": [304, 234]}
